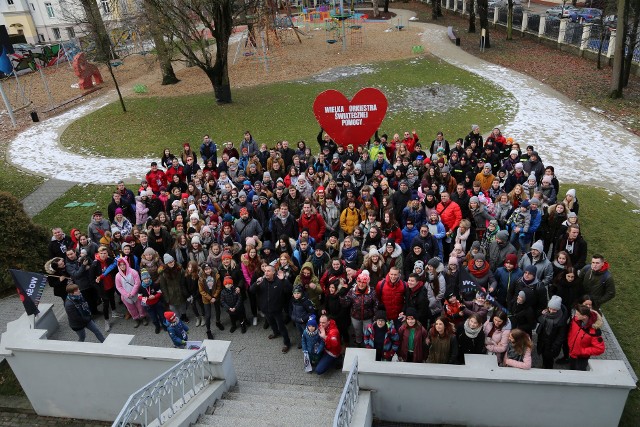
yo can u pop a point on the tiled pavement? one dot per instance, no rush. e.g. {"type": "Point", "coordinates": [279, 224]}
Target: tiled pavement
{"type": "Point", "coordinates": [44, 195]}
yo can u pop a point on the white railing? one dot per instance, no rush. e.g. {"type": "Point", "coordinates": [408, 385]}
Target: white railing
{"type": "Point", "coordinates": [348, 398]}
{"type": "Point", "coordinates": [160, 399]}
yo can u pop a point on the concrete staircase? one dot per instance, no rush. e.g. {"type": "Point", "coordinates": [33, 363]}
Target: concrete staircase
{"type": "Point", "coordinates": [270, 405]}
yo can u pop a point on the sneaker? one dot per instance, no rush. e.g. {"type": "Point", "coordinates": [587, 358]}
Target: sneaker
{"type": "Point", "coordinates": [220, 326]}
{"type": "Point", "coordinates": [158, 329]}
{"type": "Point", "coordinates": [107, 326]}
{"type": "Point", "coordinates": [255, 321]}
{"type": "Point", "coordinates": [261, 314]}
{"type": "Point", "coordinates": [243, 327]}
{"type": "Point", "coordinates": [137, 323]}
{"type": "Point", "coordinates": [197, 321]}
{"type": "Point", "coordinates": [233, 328]}
{"type": "Point", "coordinates": [145, 321]}
{"type": "Point", "coordinates": [209, 335]}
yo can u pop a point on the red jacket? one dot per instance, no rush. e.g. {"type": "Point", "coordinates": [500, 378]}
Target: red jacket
{"type": "Point", "coordinates": [586, 341]}
{"type": "Point", "coordinates": [156, 180]}
{"type": "Point", "coordinates": [391, 296]}
{"type": "Point", "coordinates": [332, 344]}
{"type": "Point", "coordinates": [411, 142]}
{"type": "Point", "coordinates": [450, 215]}
{"type": "Point", "coordinates": [175, 171]}
{"type": "Point", "coordinates": [316, 225]}
{"type": "Point", "coordinates": [395, 235]}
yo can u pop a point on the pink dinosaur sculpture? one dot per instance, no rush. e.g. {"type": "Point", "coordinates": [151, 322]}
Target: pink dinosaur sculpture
{"type": "Point", "coordinates": [86, 72]}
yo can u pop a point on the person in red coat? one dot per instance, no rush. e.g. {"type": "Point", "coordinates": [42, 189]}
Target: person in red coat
{"type": "Point", "coordinates": [450, 215]}
{"type": "Point", "coordinates": [312, 221]}
{"type": "Point", "coordinates": [391, 293]}
{"type": "Point", "coordinates": [585, 337]}
{"type": "Point", "coordinates": [410, 140]}
{"type": "Point", "coordinates": [156, 178]}
{"type": "Point", "coordinates": [332, 344]}
{"type": "Point", "coordinates": [175, 169]}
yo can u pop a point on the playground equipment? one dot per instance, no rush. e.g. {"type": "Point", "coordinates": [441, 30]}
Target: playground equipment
{"type": "Point", "coordinates": [87, 73]}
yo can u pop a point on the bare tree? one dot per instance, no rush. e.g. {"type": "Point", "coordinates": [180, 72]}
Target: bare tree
{"type": "Point", "coordinates": [386, 6]}
{"type": "Point", "coordinates": [162, 50]}
{"type": "Point", "coordinates": [376, 10]}
{"type": "Point", "coordinates": [632, 40]}
{"type": "Point", "coordinates": [189, 24]}
{"type": "Point", "coordinates": [472, 16]}
{"type": "Point", "coordinates": [615, 89]}
{"type": "Point", "coordinates": [483, 11]}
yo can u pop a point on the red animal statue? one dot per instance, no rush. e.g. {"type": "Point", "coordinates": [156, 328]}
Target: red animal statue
{"type": "Point", "coordinates": [86, 72]}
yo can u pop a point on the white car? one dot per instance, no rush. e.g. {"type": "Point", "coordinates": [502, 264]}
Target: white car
{"type": "Point", "coordinates": [559, 11]}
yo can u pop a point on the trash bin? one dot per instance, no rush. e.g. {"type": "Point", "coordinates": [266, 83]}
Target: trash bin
{"type": "Point", "coordinates": [34, 116]}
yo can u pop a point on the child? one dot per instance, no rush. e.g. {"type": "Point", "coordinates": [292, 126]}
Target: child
{"type": "Point", "coordinates": [382, 336]}
{"type": "Point", "coordinates": [453, 309]}
{"type": "Point", "coordinates": [79, 314]}
{"type": "Point", "coordinates": [436, 228]}
{"type": "Point", "coordinates": [312, 343]}
{"type": "Point", "coordinates": [489, 235]}
{"type": "Point", "coordinates": [457, 254]}
{"type": "Point", "coordinates": [142, 213]}
{"type": "Point", "coordinates": [176, 329]}
{"type": "Point", "coordinates": [150, 297]}
{"type": "Point", "coordinates": [300, 310]}
{"type": "Point", "coordinates": [232, 303]}
{"type": "Point", "coordinates": [519, 222]}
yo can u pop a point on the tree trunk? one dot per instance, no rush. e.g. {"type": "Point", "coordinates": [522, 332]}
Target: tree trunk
{"type": "Point", "coordinates": [439, 7]}
{"type": "Point", "coordinates": [162, 52]}
{"type": "Point", "coordinates": [374, 6]}
{"type": "Point", "coordinates": [615, 90]}
{"type": "Point", "coordinates": [98, 30]}
{"type": "Point", "coordinates": [434, 9]}
{"type": "Point", "coordinates": [472, 16]}
{"type": "Point", "coordinates": [633, 43]}
{"type": "Point", "coordinates": [483, 11]}
{"type": "Point", "coordinates": [386, 6]}
{"type": "Point", "coordinates": [219, 75]}
{"type": "Point", "coordinates": [510, 20]}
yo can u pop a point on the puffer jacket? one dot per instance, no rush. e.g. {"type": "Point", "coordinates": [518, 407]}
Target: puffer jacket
{"type": "Point", "coordinates": [391, 340]}
{"type": "Point", "coordinates": [349, 220]}
{"type": "Point", "coordinates": [300, 310]}
{"type": "Point", "coordinates": [586, 340]}
{"type": "Point", "coordinates": [391, 295]}
{"type": "Point", "coordinates": [363, 304]}
{"type": "Point", "coordinates": [497, 343]}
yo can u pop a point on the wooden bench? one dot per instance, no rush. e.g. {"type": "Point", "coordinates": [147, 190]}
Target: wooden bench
{"type": "Point", "coordinates": [453, 36]}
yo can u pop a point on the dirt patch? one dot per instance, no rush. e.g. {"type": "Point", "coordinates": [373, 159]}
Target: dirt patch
{"type": "Point", "coordinates": [434, 97]}
{"type": "Point", "coordinates": [340, 73]}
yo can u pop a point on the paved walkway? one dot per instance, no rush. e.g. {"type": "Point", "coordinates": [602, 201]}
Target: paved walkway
{"type": "Point", "coordinates": [44, 195]}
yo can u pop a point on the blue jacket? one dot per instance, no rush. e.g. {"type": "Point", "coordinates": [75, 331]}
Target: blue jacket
{"type": "Point", "coordinates": [418, 216]}
{"type": "Point", "coordinates": [177, 333]}
{"type": "Point", "coordinates": [407, 237]}
{"type": "Point", "coordinates": [301, 309]}
{"type": "Point", "coordinates": [505, 280]}
{"type": "Point", "coordinates": [313, 345]}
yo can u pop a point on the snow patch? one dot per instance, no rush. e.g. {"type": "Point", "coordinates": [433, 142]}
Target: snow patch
{"type": "Point", "coordinates": [340, 73]}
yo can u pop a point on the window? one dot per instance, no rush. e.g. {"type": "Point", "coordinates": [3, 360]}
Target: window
{"type": "Point", "coordinates": [50, 11]}
{"type": "Point", "coordinates": [71, 32]}
{"type": "Point", "coordinates": [106, 8]}
{"type": "Point", "coordinates": [32, 6]}
{"type": "Point", "coordinates": [9, 2]}
{"type": "Point", "coordinates": [41, 38]}
{"type": "Point", "coordinates": [56, 33]}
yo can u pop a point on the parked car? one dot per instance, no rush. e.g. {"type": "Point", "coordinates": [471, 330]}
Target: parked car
{"type": "Point", "coordinates": [587, 14]}
{"type": "Point", "coordinates": [23, 47]}
{"type": "Point", "coordinates": [559, 11]}
{"type": "Point", "coordinates": [492, 4]}
{"type": "Point", "coordinates": [610, 21]}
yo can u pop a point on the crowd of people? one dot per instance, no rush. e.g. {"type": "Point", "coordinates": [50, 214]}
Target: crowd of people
{"type": "Point", "coordinates": [424, 254]}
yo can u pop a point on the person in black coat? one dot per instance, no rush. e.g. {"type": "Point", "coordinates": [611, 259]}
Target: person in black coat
{"type": "Point", "coordinates": [552, 325]}
{"type": "Point", "coordinates": [78, 269]}
{"type": "Point", "coordinates": [59, 243]}
{"type": "Point", "coordinates": [336, 310]}
{"type": "Point", "coordinates": [79, 314]}
{"type": "Point", "coordinates": [416, 297]}
{"type": "Point", "coordinates": [271, 291]}
{"type": "Point", "coordinates": [521, 314]}
{"type": "Point", "coordinates": [117, 202]}
{"type": "Point", "coordinates": [573, 244]}
{"type": "Point", "coordinates": [470, 337]}
{"type": "Point", "coordinates": [428, 242]}
{"type": "Point", "coordinates": [284, 223]}
{"type": "Point", "coordinates": [159, 238]}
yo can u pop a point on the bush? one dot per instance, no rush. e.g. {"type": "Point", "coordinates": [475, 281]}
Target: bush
{"type": "Point", "coordinates": [23, 244]}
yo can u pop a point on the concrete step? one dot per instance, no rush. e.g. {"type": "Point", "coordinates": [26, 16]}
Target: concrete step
{"type": "Point", "coordinates": [235, 422]}
{"type": "Point", "coordinates": [291, 400]}
{"type": "Point", "coordinates": [332, 395]}
{"type": "Point", "coordinates": [286, 414]}
{"type": "Point", "coordinates": [293, 388]}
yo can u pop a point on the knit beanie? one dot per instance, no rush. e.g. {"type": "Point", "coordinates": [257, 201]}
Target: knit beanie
{"type": "Point", "coordinates": [522, 295]}
{"type": "Point", "coordinates": [380, 315]}
{"type": "Point", "coordinates": [539, 246]}
{"type": "Point", "coordinates": [170, 316]}
{"type": "Point", "coordinates": [228, 280]}
{"type": "Point", "coordinates": [312, 321]}
{"type": "Point", "coordinates": [555, 303]}
{"type": "Point", "coordinates": [503, 235]}
{"type": "Point", "coordinates": [167, 258]}
{"type": "Point", "coordinates": [512, 259]}
{"type": "Point", "coordinates": [531, 269]}
{"type": "Point", "coordinates": [418, 265]}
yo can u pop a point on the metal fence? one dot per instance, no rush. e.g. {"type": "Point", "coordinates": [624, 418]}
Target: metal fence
{"type": "Point", "coordinates": [573, 33]}
{"type": "Point", "coordinates": [348, 399]}
{"type": "Point", "coordinates": [160, 399]}
{"type": "Point", "coordinates": [552, 29]}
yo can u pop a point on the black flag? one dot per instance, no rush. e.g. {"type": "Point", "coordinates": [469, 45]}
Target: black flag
{"type": "Point", "coordinates": [30, 287]}
{"type": "Point", "coordinates": [469, 287]}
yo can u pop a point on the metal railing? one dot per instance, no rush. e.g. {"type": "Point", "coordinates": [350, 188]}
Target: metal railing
{"type": "Point", "coordinates": [161, 398]}
{"type": "Point", "coordinates": [348, 398]}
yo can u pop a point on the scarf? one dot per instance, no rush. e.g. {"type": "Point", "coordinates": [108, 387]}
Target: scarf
{"type": "Point", "coordinates": [478, 272]}
{"type": "Point", "coordinates": [471, 333]}
{"type": "Point", "coordinates": [81, 305]}
{"type": "Point", "coordinates": [551, 320]}
{"type": "Point", "coordinates": [513, 354]}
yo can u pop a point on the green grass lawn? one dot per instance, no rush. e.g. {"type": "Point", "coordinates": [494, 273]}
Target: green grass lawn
{"type": "Point", "coordinates": [15, 181]}
{"type": "Point", "coordinates": [284, 111]}
{"type": "Point", "coordinates": [56, 215]}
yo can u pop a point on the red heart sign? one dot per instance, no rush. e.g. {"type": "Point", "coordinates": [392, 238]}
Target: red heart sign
{"type": "Point", "coordinates": [350, 122]}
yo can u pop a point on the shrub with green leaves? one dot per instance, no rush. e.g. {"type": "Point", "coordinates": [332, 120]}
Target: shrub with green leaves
{"type": "Point", "coordinates": [23, 244]}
